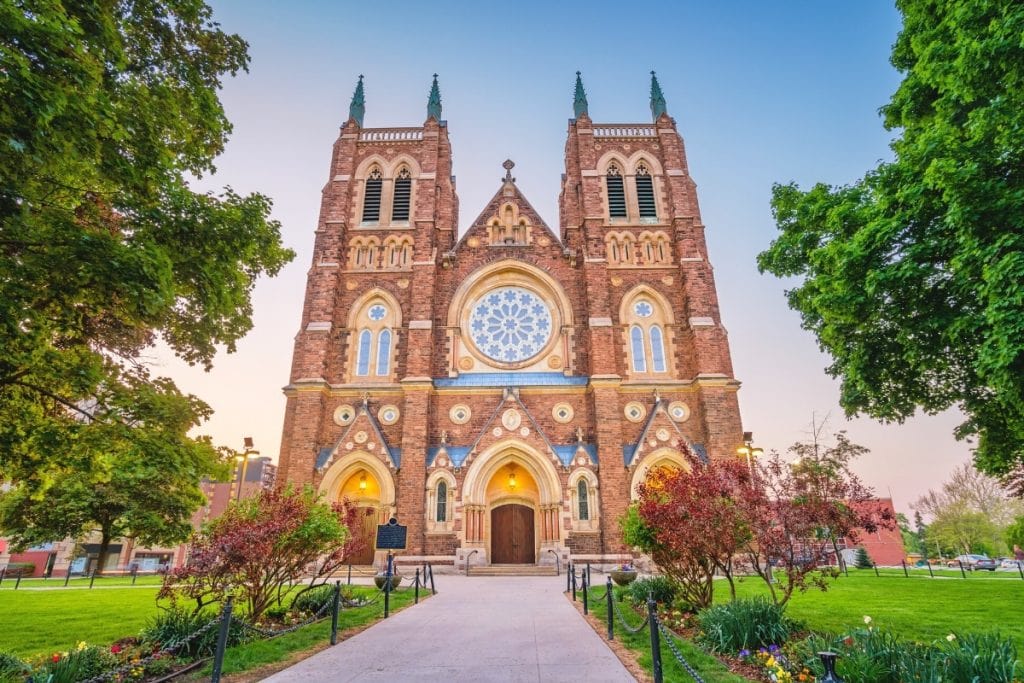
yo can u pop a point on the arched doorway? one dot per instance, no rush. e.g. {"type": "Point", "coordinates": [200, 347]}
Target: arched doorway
{"type": "Point", "coordinates": [513, 494]}
{"type": "Point", "coordinates": [362, 480]}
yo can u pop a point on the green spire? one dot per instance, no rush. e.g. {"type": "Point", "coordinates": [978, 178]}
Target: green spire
{"type": "Point", "coordinates": [357, 108]}
{"type": "Point", "coordinates": [579, 104]}
{"type": "Point", "coordinates": [658, 106]}
{"type": "Point", "coordinates": [434, 102]}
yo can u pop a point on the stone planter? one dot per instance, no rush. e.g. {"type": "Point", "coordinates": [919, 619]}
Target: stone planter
{"type": "Point", "coordinates": [381, 579]}
{"type": "Point", "coordinates": [623, 577]}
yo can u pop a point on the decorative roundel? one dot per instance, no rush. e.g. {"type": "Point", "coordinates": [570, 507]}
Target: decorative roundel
{"type": "Point", "coordinates": [376, 312]}
{"type": "Point", "coordinates": [634, 411]}
{"type": "Point", "coordinates": [562, 412]}
{"type": "Point", "coordinates": [361, 437]}
{"type": "Point", "coordinates": [344, 414]}
{"type": "Point", "coordinates": [388, 414]}
{"type": "Point", "coordinates": [643, 309]}
{"type": "Point", "coordinates": [511, 419]}
{"type": "Point", "coordinates": [678, 411]}
{"type": "Point", "coordinates": [460, 414]}
{"type": "Point", "coordinates": [510, 324]}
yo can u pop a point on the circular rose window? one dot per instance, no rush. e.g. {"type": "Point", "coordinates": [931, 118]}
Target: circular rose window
{"type": "Point", "coordinates": [510, 324]}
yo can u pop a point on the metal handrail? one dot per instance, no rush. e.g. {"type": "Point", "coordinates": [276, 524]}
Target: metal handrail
{"type": "Point", "coordinates": [467, 559]}
{"type": "Point", "coordinates": [558, 565]}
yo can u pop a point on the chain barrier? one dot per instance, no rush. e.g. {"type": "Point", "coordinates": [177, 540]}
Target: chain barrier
{"type": "Point", "coordinates": [169, 649]}
{"type": "Point", "coordinates": [625, 624]}
{"type": "Point", "coordinates": [271, 633]}
{"type": "Point", "coordinates": [670, 639]}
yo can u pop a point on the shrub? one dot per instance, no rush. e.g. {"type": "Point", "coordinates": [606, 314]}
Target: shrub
{"type": "Point", "coordinates": [313, 600]}
{"type": "Point", "coordinates": [987, 657]}
{"type": "Point", "coordinates": [657, 587]}
{"type": "Point", "coordinates": [862, 560]}
{"type": "Point", "coordinates": [12, 668]}
{"type": "Point", "coordinates": [22, 569]}
{"type": "Point", "coordinates": [81, 663]}
{"type": "Point", "coordinates": [744, 625]}
{"type": "Point", "coordinates": [176, 625]}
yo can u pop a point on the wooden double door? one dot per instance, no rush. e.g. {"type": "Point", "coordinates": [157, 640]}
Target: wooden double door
{"type": "Point", "coordinates": [366, 528]}
{"type": "Point", "coordinates": [512, 536]}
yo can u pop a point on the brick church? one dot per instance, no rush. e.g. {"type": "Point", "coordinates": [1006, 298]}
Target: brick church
{"type": "Point", "coordinates": [503, 392]}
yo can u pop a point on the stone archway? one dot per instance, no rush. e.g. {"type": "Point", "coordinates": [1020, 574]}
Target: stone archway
{"type": "Point", "coordinates": [513, 500]}
{"type": "Point", "coordinates": [362, 480]}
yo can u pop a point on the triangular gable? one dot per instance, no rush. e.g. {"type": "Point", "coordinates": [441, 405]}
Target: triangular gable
{"type": "Point", "coordinates": [486, 436]}
{"type": "Point", "coordinates": [658, 419]}
{"type": "Point", "coordinates": [375, 442]}
{"type": "Point", "coordinates": [508, 193]}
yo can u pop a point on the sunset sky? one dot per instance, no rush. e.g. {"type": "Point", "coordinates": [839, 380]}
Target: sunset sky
{"type": "Point", "coordinates": [761, 93]}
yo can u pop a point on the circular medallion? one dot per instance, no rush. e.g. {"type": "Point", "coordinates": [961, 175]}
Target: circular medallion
{"type": "Point", "coordinates": [388, 414]}
{"type": "Point", "coordinates": [562, 412]}
{"type": "Point", "coordinates": [344, 414]}
{"type": "Point", "coordinates": [361, 437]}
{"type": "Point", "coordinates": [544, 242]}
{"type": "Point", "coordinates": [460, 414]}
{"type": "Point", "coordinates": [497, 431]}
{"type": "Point", "coordinates": [511, 419]}
{"type": "Point", "coordinates": [403, 283]}
{"type": "Point", "coordinates": [376, 312]}
{"type": "Point", "coordinates": [634, 412]}
{"type": "Point", "coordinates": [473, 242]}
{"type": "Point", "coordinates": [678, 411]}
{"type": "Point", "coordinates": [350, 285]}
{"type": "Point", "coordinates": [662, 434]}
{"type": "Point", "coordinates": [555, 362]}
{"type": "Point", "coordinates": [524, 432]}
{"type": "Point", "coordinates": [510, 324]}
{"type": "Point", "coordinates": [616, 281]}
{"type": "Point", "coordinates": [465, 363]}
{"type": "Point", "coordinates": [643, 309]}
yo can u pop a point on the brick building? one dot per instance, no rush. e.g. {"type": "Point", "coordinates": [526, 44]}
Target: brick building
{"type": "Point", "coordinates": [502, 393]}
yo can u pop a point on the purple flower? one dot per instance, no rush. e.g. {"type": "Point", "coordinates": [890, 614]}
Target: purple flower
{"type": "Point", "coordinates": [773, 648]}
{"type": "Point", "coordinates": [744, 653]}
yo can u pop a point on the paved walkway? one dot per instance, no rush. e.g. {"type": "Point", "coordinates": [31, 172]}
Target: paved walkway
{"type": "Point", "coordinates": [475, 629]}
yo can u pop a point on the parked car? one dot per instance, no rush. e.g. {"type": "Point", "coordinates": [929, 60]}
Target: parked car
{"type": "Point", "coordinates": [973, 562]}
{"type": "Point", "coordinates": [1010, 563]}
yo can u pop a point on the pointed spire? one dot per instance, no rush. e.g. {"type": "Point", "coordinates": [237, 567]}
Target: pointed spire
{"type": "Point", "coordinates": [357, 108]}
{"type": "Point", "coordinates": [658, 106]}
{"type": "Point", "coordinates": [434, 102]}
{"type": "Point", "coordinates": [579, 104]}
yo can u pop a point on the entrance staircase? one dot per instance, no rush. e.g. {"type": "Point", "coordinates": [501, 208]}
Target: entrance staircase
{"type": "Point", "coordinates": [513, 570]}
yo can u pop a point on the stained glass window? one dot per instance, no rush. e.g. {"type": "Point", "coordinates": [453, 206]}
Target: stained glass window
{"type": "Point", "coordinates": [657, 350]}
{"type": "Point", "coordinates": [636, 341]}
{"type": "Point", "coordinates": [581, 494]}
{"type": "Point", "coordinates": [510, 324]}
{"type": "Point", "coordinates": [441, 514]}
{"type": "Point", "coordinates": [363, 357]}
{"type": "Point", "coordinates": [384, 352]}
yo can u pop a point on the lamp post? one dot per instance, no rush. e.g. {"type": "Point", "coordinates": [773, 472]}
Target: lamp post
{"type": "Point", "coordinates": [749, 450]}
{"type": "Point", "coordinates": [243, 462]}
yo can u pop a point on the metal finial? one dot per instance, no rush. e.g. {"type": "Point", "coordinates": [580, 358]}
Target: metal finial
{"type": "Point", "coordinates": [658, 106]}
{"type": "Point", "coordinates": [508, 166]}
{"type": "Point", "coordinates": [434, 101]}
{"type": "Point", "coordinates": [579, 104]}
{"type": "Point", "coordinates": [357, 108]}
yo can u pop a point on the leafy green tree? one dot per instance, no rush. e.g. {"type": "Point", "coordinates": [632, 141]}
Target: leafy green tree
{"type": "Point", "coordinates": [1015, 534]}
{"type": "Point", "coordinates": [912, 275]}
{"type": "Point", "coordinates": [106, 111]}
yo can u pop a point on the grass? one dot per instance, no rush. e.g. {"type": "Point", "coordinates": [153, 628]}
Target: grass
{"type": "Point", "coordinates": [917, 608]}
{"type": "Point", "coordinates": [40, 622]}
{"type": "Point", "coordinates": [710, 669]}
{"type": "Point", "coordinates": [82, 582]}
{"type": "Point", "coordinates": [264, 652]}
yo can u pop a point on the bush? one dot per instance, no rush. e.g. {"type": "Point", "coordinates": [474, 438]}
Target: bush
{"type": "Point", "coordinates": [313, 600]}
{"type": "Point", "coordinates": [658, 587]}
{"type": "Point", "coordinates": [862, 560]}
{"type": "Point", "coordinates": [175, 625]}
{"type": "Point", "coordinates": [84, 662]}
{"type": "Point", "coordinates": [22, 569]}
{"type": "Point", "coordinates": [12, 668]}
{"type": "Point", "coordinates": [744, 625]}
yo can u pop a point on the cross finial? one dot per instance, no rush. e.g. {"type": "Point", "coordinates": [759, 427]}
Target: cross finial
{"type": "Point", "coordinates": [508, 166]}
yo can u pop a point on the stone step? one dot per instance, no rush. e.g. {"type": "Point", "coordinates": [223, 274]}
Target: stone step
{"type": "Point", "coordinates": [512, 570]}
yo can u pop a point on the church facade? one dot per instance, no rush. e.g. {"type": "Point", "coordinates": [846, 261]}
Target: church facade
{"type": "Point", "coordinates": [503, 393]}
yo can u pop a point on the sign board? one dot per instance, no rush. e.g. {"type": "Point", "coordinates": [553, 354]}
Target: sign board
{"type": "Point", "coordinates": [391, 536]}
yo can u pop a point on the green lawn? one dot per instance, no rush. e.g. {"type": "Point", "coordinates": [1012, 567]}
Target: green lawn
{"type": "Point", "coordinates": [82, 582]}
{"type": "Point", "coordinates": [38, 622]}
{"type": "Point", "coordinates": [918, 608]}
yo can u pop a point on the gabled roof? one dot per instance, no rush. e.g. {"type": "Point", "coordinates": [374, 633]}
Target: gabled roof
{"type": "Point", "coordinates": [508, 193]}
{"type": "Point", "coordinates": [659, 417]}
{"type": "Point", "coordinates": [377, 444]}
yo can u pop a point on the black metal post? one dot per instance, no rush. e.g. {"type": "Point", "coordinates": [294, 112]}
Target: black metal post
{"type": "Point", "coordinates": [608, 604]}
{"type": "Point", "coordinates": [3, 574]}
{"type": "Point", "coordinates": [433, 591]}
{"type": "Point", "coordinates": [349, 574]}
{"type": "Point", "coordinates": [335, 608]}
{"type": "Point", "coordinates": [568, 579]}
{"type": "Point", "coordinates": [929, 564]}
{"type": "Point", "coordinates": [652, 623]}
{"type": "Point", "coordinates": [416, 599]}
{"type": "Point", "coordinates": [92, 579]}
{"type": "Point", "coordinates": [875, 565]}
{"type": "Point", "coordinates": [586, 597]}
{"type": "Point", "coordinates": [135, 573]}
{"type": "Point", "coordinates": [905, 573]}
{"type": "Point", "coordinates": [1020, 569]}
{"type": "Point", "coordinates": [67, 576]}
{"type": "Point", "coordinates": [387, 588]}
{"type": "Point", "coordinates": [222, 642]}
{"type": "Point", "coordinates": [17, 581]}
{"type": "Point", "coordinates": [588, 573]}
{"type": "Point", "coordinates": [962, 573]}
{"type": "Point", "coordinates": [574, 584]}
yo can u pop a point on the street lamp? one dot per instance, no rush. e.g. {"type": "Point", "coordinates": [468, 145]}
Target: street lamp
{"type": "Point", "coordinates": [749, 450]}
{"type": "Point", "coordinates": [243, 461]}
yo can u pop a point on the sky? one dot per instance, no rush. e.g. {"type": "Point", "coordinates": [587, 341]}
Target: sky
{"type": "Point", "coordinates": [761, 93]}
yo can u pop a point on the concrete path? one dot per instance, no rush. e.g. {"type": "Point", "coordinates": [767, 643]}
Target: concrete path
{"type": "Point", "coordinates": [475, 629]}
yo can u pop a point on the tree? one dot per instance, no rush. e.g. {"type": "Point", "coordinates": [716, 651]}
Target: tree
{"type": "Point", "coordinates": [969, 513]}
{"type": "Point", "coordinates": [912, 275]}
{"type": "Point", "coordinates": [106, 111]}
{"type": "Point", "coordinates": [1015, 534]}
{"type": "Point", "coordinates": [260, 546]}
{"type": "Point", "coordinates": [689, 522]}
{"type": "Point", "coordinates": [863, 560]}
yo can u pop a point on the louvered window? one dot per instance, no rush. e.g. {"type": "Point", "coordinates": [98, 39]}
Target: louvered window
{"type": "Point", "coordinates": [371, 198]}
{"type": "Point", "coordinates": [403, 192]}
{"type": "Point", "coordinates": [616, 193]}
{"type": "Point", "coordinates": [645, 193]}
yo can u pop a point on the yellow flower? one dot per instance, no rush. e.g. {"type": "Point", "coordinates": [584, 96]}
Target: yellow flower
{"type": "Point", "coordinates": [867, 619]}
{"type": "Point", "coordinates": [81, 645]}
{"type": "Point", "coordinates": [951, 637]}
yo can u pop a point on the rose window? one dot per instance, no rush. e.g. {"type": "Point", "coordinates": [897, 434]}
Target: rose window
{"type": "Point", "coordinates": [510, 324]}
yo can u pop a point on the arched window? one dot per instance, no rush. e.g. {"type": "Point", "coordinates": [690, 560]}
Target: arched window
{"type": "Point", "coordinates": [616, 193]}
{"type": "Point", "coordinates": [582, 499]}
{"type": "Point", "coordinates": [403, 193]}
{"type": "Point", "coordinates": [363, 355]}
{"type": "Point", "coordinates": [636, 342]}
{"type": "Point", "coordinates": [441, 512]}
{"type": "Point", "coordinates": [645, 193]}
{"type": "Point", "coordinates": [371, 196]}
{"type": "Point", "coordinates": [384, 352]}
{"type": "Point", "coordinates": [657, 350]}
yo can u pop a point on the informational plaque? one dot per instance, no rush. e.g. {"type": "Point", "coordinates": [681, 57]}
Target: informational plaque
{"type": "Point", "coordinates": [391, 536]}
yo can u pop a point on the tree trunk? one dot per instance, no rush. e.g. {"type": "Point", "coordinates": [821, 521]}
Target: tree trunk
{"type": "Point", "coordinates": [101, 561]}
